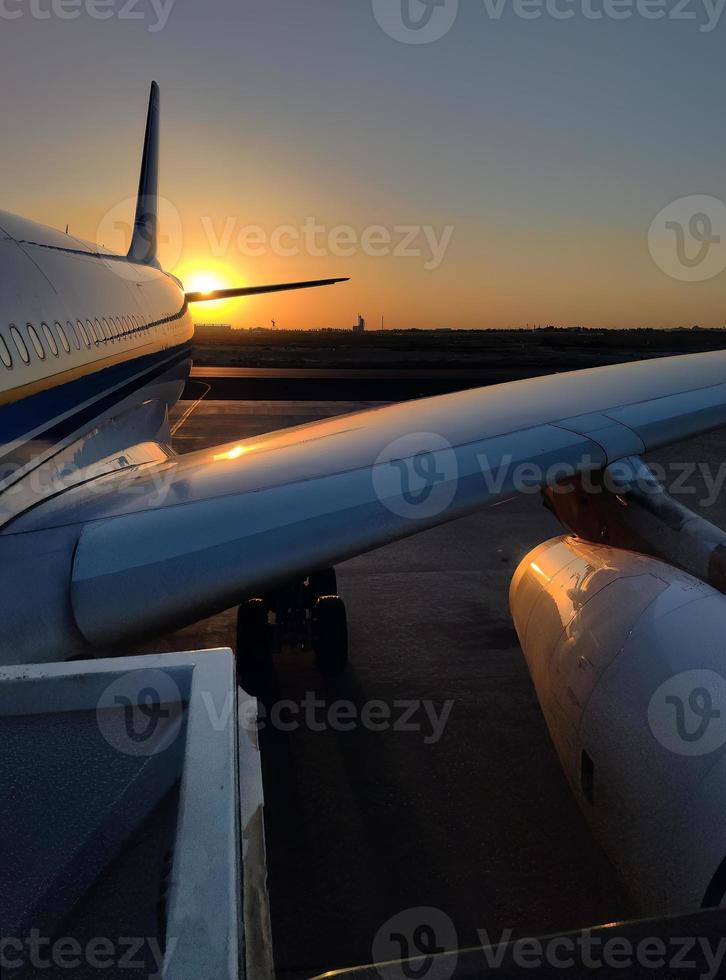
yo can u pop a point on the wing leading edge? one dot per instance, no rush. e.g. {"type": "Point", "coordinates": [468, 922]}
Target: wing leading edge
{"type": "Point", "coordinates": [171, 543]}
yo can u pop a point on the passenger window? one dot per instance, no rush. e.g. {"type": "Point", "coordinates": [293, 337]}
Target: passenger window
{"type": "Point", "coordinates": [105, 332]}
{"type": "Point", "coordinates": [95, 337]}
{"type": "Point", "coordinates": [50, 338]}
{"type": "Point", "coordinates": [98, 330]}
{"type": "Point", "coordinates": [35, 341]}
{"type": "Point", "coordinates": [63, 337]}
{"type": "Point", "coordinates": [74, 333]}
{"type": "Point", "coordinates": [84, 333]}
{"type": "Point", "coordinates": [20, 344]}
{"type": "Point", "coordinates": [5, 355]}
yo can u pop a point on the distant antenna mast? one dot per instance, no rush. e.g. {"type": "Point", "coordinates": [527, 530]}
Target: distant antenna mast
{"type": "Point", "coordinates": [382, 322]}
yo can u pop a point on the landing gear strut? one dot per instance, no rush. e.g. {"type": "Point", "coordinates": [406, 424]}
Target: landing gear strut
{"type": "Point", "coordinates": [303, 615]}
{"type": "Point", "coordinates": [255, 669]}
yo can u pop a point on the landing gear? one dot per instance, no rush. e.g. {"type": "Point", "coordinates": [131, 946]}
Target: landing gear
{"type": "Point", "coordinates": [303, 615]}
{"type": "Point", "coordinates": [320, 584]}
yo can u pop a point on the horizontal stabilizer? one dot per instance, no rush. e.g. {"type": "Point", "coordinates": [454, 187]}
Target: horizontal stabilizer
{"type": "Point", "coordinates": [206, 297]}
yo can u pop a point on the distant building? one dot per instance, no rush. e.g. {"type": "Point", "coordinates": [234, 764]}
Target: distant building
{"type": "Point", "coordinates": [214, 331]}
{"type": "Point", "coordinates": [360, 326]}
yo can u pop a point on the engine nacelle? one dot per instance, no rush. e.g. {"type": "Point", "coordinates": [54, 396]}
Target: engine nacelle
{"type": "Point", "coordinates": [628, 658]}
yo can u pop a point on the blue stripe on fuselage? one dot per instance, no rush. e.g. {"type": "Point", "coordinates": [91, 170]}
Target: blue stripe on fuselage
{"type": "Point", "coordinates": [36, 411]}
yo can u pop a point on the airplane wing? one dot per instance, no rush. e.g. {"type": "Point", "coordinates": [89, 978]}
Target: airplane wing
{"type": "Point", "coordinates": [162, 545]}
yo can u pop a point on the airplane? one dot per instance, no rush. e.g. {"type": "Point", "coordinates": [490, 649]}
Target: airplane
{"type": "Point", "coordinates": [109, 537]}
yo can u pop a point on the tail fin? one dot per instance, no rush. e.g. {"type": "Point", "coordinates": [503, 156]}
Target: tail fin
{"type": "Point", "coordinates": [144, 240]}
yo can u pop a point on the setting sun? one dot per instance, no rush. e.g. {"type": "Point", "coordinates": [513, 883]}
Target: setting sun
{"type": "Point", "coordinates": [205, 277]}
{"type": "Point", "coordinates": [205, 282]}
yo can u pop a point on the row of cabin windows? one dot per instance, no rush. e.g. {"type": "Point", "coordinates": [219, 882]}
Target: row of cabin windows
{"type": "Point", "coordinates": [57, 339]}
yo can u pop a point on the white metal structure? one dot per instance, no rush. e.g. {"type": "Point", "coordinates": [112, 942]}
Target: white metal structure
{"type": "Point", "coordinates": [92, 794]}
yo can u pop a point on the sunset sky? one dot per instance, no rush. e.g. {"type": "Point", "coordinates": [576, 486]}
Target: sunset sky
{"type": "Point", "coordinates": [534, 153]}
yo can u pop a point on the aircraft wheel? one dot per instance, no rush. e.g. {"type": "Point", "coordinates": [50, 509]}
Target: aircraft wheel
{"type": "Point", "coordinates": [324, 582]}
{"type": "Point", "coordinates": [330, 635]}
{"type": "Point", "coordinates": [254, 647]}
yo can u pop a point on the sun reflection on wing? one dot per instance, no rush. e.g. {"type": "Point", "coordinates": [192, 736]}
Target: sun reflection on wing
{"type": "Point", "coordinates": [233, 453]}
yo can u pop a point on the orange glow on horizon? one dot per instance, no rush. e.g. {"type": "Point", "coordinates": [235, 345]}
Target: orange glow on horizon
{"type": "Point", "coordinates": [204, 277]}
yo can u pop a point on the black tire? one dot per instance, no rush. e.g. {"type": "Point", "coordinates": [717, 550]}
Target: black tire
{"type": "Point", "coordinates": [330, 635]}
{"type": "Point", "coordinates": [254, 647]}
{"type": "Point", "coordinates": [322, 583]}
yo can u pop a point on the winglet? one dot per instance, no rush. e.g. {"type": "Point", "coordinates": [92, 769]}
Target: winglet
{"type": "Point", "coordinates": [144, 240]}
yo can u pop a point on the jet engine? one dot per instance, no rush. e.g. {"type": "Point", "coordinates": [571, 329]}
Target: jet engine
{"type": "Point", "coordinates": [628, 658]}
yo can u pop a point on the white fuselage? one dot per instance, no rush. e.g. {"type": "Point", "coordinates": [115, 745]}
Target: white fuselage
{"type": "Point", "coordinates": [93, 351]}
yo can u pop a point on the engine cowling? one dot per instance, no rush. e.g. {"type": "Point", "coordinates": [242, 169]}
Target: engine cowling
{"type": "Point", "coordinates": [628, 658]}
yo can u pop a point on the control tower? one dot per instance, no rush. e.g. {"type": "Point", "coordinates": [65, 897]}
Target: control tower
{"type": "Point", "coordinates": [360, 326]}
